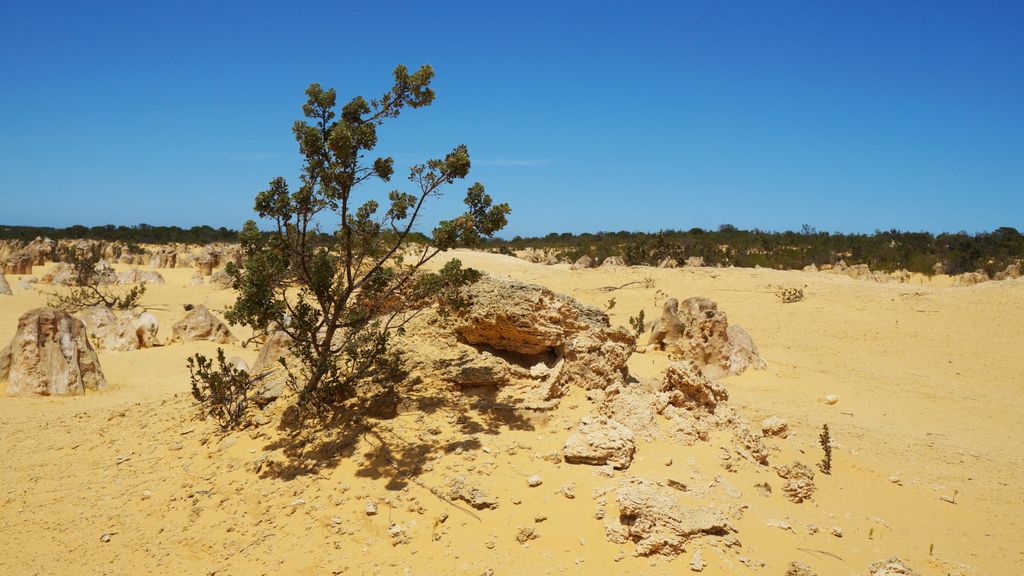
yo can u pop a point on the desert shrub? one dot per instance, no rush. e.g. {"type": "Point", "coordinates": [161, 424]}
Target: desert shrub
{"type": "Point", "coordinates": [825, 439]}
{"type": "Point", "coordinates": [222, 391]}
{"type": "Point", "coordinates": [637, 323]}
{"type": "Point", "coordinates": [341, 296]}
{"type": "Point", "coordinates": [92, 284]}
{"type": "Point", "coordinates": [790, 295]}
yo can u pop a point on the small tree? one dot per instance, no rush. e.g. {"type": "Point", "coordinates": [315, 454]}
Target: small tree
{"type": "Point", "coordinates": [340, 295]}
{"type": "Point", "coordinates": [92, 284]}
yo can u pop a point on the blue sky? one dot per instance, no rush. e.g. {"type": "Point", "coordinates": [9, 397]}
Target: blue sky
{"type": "Point", "coordinates": [846, 115]}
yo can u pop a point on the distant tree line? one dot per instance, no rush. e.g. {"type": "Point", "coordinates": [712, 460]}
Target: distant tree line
{"type": "Point", "coordinates": [884, 250]}
{"type": "Point", "coordinates": [146, 234]}
{"type": "Point", "coordinates": [137, 234]}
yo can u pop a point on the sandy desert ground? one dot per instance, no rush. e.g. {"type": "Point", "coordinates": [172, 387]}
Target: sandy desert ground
{"type": "Point", "coordinates": [929, 376]}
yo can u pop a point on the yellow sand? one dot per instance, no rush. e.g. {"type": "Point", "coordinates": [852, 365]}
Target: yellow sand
{"type": "Point", "coordinates": [929, 379]}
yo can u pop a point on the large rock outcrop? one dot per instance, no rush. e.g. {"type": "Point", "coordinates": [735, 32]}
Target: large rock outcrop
{"type": "Point", "coordinates": [598, 441]}
{"type": "Point", "coordinates": [200, 324]}
{"type": "Point", "coordinates": [697, 330]}
{"type": "Point", "coordinates": [518, 344]}
{"type": "Point", "coordinates": [120, 331]}
{"type": "Point", "coordinates": [656, 523]}
{"type": "Point", "coordinates": [50, 355]}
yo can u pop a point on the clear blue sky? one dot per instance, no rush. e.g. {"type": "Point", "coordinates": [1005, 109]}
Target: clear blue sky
{"type": "Point", "coordinates": [846, 115]}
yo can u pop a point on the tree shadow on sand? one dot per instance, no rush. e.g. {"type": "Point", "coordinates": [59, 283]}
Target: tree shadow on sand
{"type": "Point", "coordinates": [401, 433]}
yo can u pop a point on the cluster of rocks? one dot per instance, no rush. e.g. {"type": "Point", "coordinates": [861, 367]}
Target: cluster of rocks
{"type": "Point", "coordinates": [54, 353]}
{"type": "Point", "coordinates": [585, 261]}
{"type": "Point", "coordinates": [1012, 272]}
{"type": "Point", "coordinates": [697, 330]}
{"type": "Point", "coordinates": [18, 257]}
{"type": "Point", "coordinates": [540, 256]}
{"type": "Point", "coordinates": [120, 331]}
{"type": "Point", "coordinates": [861, 272]}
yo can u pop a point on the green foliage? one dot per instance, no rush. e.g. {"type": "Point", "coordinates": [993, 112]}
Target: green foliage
{"type": "Point", "coordinates": [138, 234]}
{"type": "Point", "coordinates": [341, 295]}
{"type": "Point", "coordinates": [728, 246]}
{"type": "Point", "coordinates": [92, 284]}
{"type": "Point", "coordinates": [826, 445]}
{"type": "Point", "coordinates": [222, 391]}
{"type": "Point", "coordinates": [637, 323]}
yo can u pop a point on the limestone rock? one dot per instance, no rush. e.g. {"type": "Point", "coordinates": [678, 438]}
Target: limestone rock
{"type": "Point", "coordinates": [775, 426]}
{"type": "Point", "coordinates": [891, 567]}
{"type": "Point", "coordinates": [582, 263]}
{"type": "Point", "coordinates": [522, 318]}
{"type": "Point", "coordinates": [656, 523]}
{"type": "Point", "coordinates": [697, 330]}
{"type": "Point", "coordinates": [799, 484]}
{"type": "Point", "coordinates": [42, 250]}
{"type": "Point", "coordinates": [1011, 272]}
{"type": "Point", "coordinates": [797, 568]}
{"type": "Point", "coordinates": [688, 387]}
{"type": "Point", "coordinates": [971, 278]}
{"type": "Point", "coordinates": [598, 441]}
{"type": "Point", "coordinates": [749, 446]}
{"type": "Point", "coordinates": [268, 370]}
{"type": "Point", "coordinates": [61, 274]}
{"type": "Point", "coordinates": [205, 265]}
{"type": "Point", "coordinates": [200, 324]}
{"type": "Point", "coordinates": [539, 326]}
{"type": "Point", "coordinates": [222, 278]}
{"type": "Point", "coordinates": [164, 258]}
{"type": "Point", "coordinates": [668, 262]}
{"type": "Point", "coordinates": [20, 263]}
{"type": "Point", "coordinates": [695, 261]}
{"type": "Point", "coordinates": [460, 489]}
{"type": "Point", "coordinates": [136, 276]}
{"type": "Point", "coordinates": [5, 288]}
{"type": "Point", "coordinates": [613, 261]}
{"type": "Point", "coordinates": [635, 406]}
{"type": "Point", "coordinates": [119, 331]}
{"type": "Point", "coordinates": [50, 355]}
